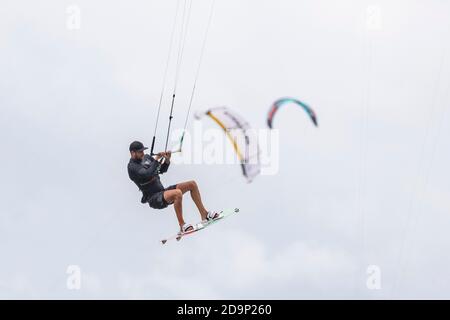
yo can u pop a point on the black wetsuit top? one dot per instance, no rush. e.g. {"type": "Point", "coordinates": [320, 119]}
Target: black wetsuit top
{"type": "Point", "coordinates": [145, 174]}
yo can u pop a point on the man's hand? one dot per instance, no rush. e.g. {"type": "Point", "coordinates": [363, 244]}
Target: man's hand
{"type": "Point", "coordinates": [156, 156]}
{"type": "Point", "coordinates": [159, 155]}
{"type": "Point", "coordinates": [166, 155]}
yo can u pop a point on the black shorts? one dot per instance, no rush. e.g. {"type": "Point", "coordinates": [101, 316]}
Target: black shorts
{"type": "Point", "coordinates": [157, 201]}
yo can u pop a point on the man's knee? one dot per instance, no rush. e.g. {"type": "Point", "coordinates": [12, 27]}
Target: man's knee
{"type": "Point", "coordinates": [193, 184]}
{"type": "Point", "coordinates": [177, 194]}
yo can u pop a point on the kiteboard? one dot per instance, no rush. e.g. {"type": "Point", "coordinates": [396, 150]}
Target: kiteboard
{"type": "Point", "coordinates": [202, 225]}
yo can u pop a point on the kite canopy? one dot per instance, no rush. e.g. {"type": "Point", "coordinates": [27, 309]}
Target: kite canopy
{"type": "Point", "coordinates": [280, 102]}
{"type": "Point", "coordinates": [242, 137]}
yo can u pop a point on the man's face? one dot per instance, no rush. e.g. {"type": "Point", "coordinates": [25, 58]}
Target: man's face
{"type": "Point", "coordinates": [137, 155]}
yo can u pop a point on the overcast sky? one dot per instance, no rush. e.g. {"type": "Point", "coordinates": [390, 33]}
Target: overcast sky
{"type": "Point", "coordinates": [369, 187]}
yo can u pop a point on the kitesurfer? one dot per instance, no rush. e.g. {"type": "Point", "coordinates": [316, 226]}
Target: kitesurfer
{"type": "Point", "coordinates": [144, 171]}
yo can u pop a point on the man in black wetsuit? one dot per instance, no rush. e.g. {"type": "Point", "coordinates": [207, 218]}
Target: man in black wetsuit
{"type": "Point", "coordinates": [144, 171]}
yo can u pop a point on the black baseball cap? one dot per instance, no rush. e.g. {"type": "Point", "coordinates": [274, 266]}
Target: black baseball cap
{"type": "Point", "coordinates": [137, 146]}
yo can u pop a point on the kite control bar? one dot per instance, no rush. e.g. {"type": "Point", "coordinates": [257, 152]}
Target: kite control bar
{"type": "Point", "coordinates": [179, 150]}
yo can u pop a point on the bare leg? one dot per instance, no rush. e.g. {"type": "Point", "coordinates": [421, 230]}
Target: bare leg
{"type": "Point", "coordinates": [195, 194]}
{"type": "Point", "coordinates": [176, 197]}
